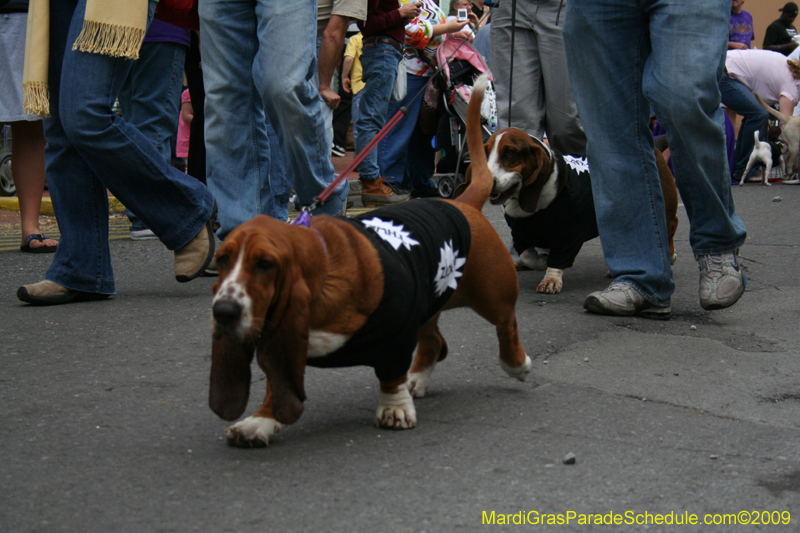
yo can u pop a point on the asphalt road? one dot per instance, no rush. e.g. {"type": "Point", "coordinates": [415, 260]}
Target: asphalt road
{"type": "Point", "coordinates": [105, 425]}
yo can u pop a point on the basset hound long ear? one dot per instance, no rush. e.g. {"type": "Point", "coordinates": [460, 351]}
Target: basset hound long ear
{"type": "Point", "coordinates": [538, 165]}
{"type": "Point", "coordinates": [230, 376]}
{"type": "Point", "coordinates": [283, 354]}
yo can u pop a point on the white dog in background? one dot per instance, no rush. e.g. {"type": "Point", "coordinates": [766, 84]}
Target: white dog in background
{"type": "Point", "coordinates": [763, 153]}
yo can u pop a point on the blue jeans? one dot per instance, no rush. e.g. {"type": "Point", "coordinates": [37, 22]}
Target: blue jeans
{"type": "Point", "coordinates": [739, 98]}
{"type": "Point", "coordinates": [258, 65]}
{"type": "Point", "coordinates": [623, 57]}
{"type": "Point", "coordinates": [379, 63]}
{"type": "Point", "coordinates": [354, 111]}
{"type": "Point", "coordinates": [90, 149]}
{"type": "Point", "coordinates": [151, 98]}
{"type": "Point", "coordinates": [404, 139]}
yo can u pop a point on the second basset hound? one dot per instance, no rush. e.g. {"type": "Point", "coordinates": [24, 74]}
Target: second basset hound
{"type": "Point", "coordinates": [365, 291]}
{"type": "Point", "coordinates": [548, 204]}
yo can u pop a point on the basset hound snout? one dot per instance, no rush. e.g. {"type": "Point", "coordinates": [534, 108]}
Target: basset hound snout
{"type": "Point", "coordinates": [364, 291]}
{"type": "Point", "coordinates": [232, 305]}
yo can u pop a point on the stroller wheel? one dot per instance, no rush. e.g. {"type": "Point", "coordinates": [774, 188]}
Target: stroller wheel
{"type": "Point", "coordinates": [448, 184]}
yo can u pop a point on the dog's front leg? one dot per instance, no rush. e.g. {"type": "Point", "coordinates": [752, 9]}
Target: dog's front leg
{"type": "Point", "coordinates": [256, 430]}
{"type": "Point", "coordinates": [552, 282]}
{"type": "Point", "coordinates": [395, 406]}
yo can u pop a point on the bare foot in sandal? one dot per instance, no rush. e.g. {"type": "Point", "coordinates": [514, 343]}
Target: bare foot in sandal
{"type": "Point", "coordinates": [38, 243]}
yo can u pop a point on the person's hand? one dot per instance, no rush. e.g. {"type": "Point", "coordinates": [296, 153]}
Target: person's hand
{"type": "Point", "coordinates": [410, 10]}
{"type": "Point", "coordinates": [346, 85]}
{"type": "Point", "coordinates": [473, 19]}
{"type": "Point", "coordinates": [330, 97]}
{"type": "Point", "coordinates": [467, 35]}
{"type": "Point", "coordinates": [454, 26]}
{"type": "Point", "coordinates": [736, 46]}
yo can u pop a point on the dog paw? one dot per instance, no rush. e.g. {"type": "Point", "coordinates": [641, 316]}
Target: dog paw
{"type": "Point", "coordinates": [396, 411]}
{"type": "Point", "coordinates": [418, 382]}
{"type": "Point", "coordinates": [252, 432]}
{"type": "Point", "coordinates": [549, 286]}
{"type": "Point", "coordinates": [520, 372]}
{"type": "Point", "coordinates": [674, 258]}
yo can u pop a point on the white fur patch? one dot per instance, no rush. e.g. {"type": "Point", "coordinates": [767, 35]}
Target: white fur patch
{"type": "Point", "coordinates": [520, 372]}
{"type": "Point", "coordinates": [503, 179]}
{"type": "Point", "coordinates": [233, 288]}
{"type": "Point", "coordinates": [396, 410]}
{"type": "Point", "coordinates": [322, 343]}
{"type": "Point", "coordinates": [252, 428]}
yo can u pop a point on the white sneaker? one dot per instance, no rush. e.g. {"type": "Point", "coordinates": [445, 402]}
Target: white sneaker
{"type": "Point", "coordinates": [143, 235]}
{"type": "Point", "coordinates": [620, 299]}
{"type": "Point", "coordinates": [795, 181]}
{"type": "Point", "coordinates": [722, 281]}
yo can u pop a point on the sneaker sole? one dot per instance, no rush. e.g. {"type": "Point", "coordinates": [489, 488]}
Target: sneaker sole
{"type": "Point", "coordinates": [593, 305]}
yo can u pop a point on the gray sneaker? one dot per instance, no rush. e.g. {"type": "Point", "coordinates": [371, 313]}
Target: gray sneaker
{"type": "Point", "coordinates": [620, 299]}
{"type": "Point", "coordinates": [722, 282]}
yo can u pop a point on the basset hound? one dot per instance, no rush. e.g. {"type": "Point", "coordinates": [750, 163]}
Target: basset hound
{"type": "Point", "coordinates": [548, 204]}
{"type": "Point", "coordinates": [366, 291]}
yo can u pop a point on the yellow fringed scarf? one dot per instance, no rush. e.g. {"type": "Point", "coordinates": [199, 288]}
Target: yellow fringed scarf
{"type": "Point", "coordinates": [109, 27]}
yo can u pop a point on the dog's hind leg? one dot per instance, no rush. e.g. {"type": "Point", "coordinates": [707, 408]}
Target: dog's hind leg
{"type": "Point", "coordinates": [494, 297]}
{"type": "Point", "coordinates": [431, 349]}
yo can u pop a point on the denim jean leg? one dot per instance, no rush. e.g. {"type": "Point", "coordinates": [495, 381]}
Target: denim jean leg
{"type": "Point", "coordinates": [379, 64]}
{"type": "Point", "coordinates": [696, 126]}
{"type": "Point", "coordinates": [393, 150]}
{"type": "Point", "coordinates": [90, 150]}
{"type": "Point", "coordinates": [620, 150]}
{"type": "Point", "coordinates": [327, 111]}
{"type": "Point", "coordinates": [238, 152]}
{"type": "Point", "coordinates": [354, 112]}
{"type": "Point", "coordinates": [292, 100]}
{"type": "Point", "coordinates": [736, 96]}
{"type": "Point", "coordinates": [150, 98]}
{"type": "Point", "coordinates": [615, 116]}
{"type": "Point", "coordinates": [275, 197]}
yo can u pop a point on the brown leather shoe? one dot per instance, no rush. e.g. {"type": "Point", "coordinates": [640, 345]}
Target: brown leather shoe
{"type": "Point", "coordinates": [375, 193]}
{"type": "Point", "coordinates": [51, 293]}
{"type": "Point", "coordinates": [193, 258]}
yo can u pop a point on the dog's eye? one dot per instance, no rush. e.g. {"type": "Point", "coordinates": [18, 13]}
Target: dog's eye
{"type": "Point", "coordinates": [263, 266]}
{"type": "Point", "coordinates": [510, 154]}
{"type": "Point", "coordinates": [223, 262]}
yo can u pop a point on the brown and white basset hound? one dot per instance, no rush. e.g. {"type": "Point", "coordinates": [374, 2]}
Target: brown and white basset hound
{"type": "Point", "coordinates": [346, 292]}
{"type": "Point", "coordinates": [548, 204]}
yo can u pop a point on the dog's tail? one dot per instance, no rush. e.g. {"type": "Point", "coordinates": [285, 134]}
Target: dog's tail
{"type": "Point", "coordinates": [480, 185]}
{"type": "Point", "coordinates": [774, 112]}
{"type": "Point", "coordinates": [755, 136]}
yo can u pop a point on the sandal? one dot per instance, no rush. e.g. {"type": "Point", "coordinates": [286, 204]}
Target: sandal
{"type": "Point", "coordinates": [27, 248]}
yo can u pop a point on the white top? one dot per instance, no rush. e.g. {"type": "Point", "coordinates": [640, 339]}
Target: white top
{"type": "Point", "coordinates": [764, 72]}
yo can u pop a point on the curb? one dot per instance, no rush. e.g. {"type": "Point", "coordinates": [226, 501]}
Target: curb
{"type": "Point", "coordinates": [12, 204]}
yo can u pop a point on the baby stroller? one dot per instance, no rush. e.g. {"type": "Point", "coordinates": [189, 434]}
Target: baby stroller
{"type": "Point", "coordinates": [459, 64]}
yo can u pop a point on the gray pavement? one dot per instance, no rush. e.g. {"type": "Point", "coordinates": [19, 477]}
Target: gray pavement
{"type": "Point", "coordinates": [105, 425]}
